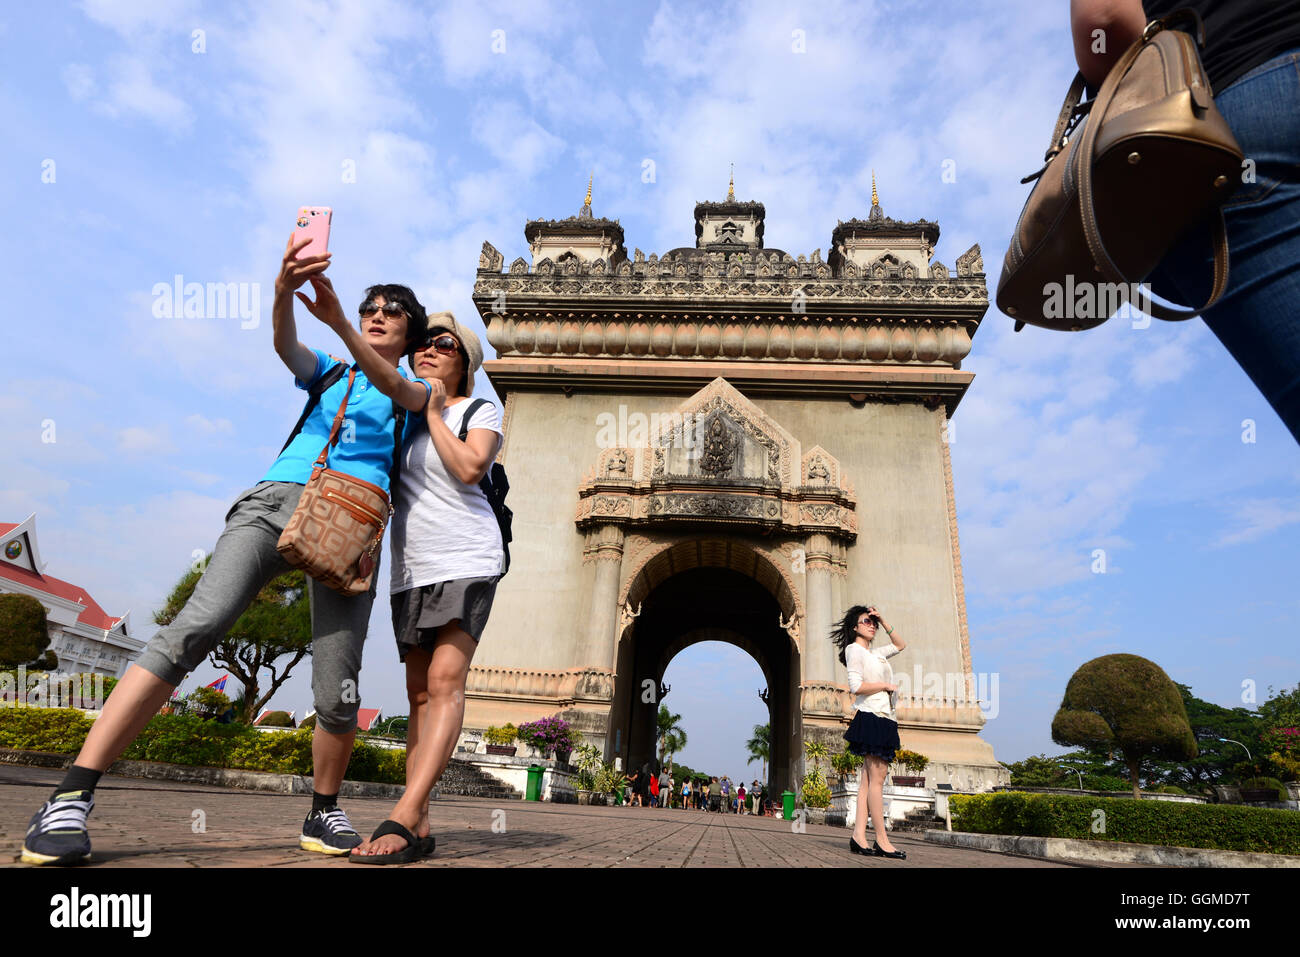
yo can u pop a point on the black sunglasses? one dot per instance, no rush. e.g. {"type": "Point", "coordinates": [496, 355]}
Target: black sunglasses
{"type": "Point", "coordinates": [391, 310]}
{"type": "Point", "coordinates": [443, 343]}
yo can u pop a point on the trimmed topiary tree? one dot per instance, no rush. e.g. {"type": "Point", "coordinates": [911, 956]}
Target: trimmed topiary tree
{"type": "Point", "coordinates": [25, 634]}
{"type": "Point", "coordinates": [1128, 704]}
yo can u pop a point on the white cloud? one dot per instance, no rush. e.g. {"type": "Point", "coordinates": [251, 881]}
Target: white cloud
{"type": "Point", "coordinates": [208, 426]}
{"type": "Point", "coordinates": [139, 439]}
{"type": "Point", "coordinates": [79, 80]}
{"type": "Point", "coordinates": [1256, 518]}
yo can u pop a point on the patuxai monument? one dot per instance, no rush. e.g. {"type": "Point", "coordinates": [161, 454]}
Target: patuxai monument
{"type": "Point", "coordinates": [728, 442]}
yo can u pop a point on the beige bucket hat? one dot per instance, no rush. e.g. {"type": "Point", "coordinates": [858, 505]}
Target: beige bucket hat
{"type": "Point", "coordinates": [446, 322]}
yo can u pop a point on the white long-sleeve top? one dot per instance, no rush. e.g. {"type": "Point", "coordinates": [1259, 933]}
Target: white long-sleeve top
{"type": "Point", "coordinates": [872, 667]}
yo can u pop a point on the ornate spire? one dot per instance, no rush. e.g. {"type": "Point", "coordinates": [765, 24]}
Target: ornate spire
{"type": "Point", "coordinates": [876, 211]}
{"type": "Point", "coordinates": [585, 212]}
{"type": "Point", "coordinates": [731, 186]}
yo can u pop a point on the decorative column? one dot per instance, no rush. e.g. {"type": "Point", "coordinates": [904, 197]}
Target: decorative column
{"type": "Point", "coordinates": [818, 651]}
{"type": "Point", "coordinates": [598, 646]}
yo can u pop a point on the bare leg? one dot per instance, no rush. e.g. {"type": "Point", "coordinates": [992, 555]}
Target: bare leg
{"type": "Point", "coordinates": [134, 701]}
{"type": "Point", "coordinates": [877, 770]}
{"type": "Point", "coordinates": [330, 754]}
{"type": "Point", "coordinates": [417, 696]}
{"type": "Point", "coordinates": [860, 821]}
{"type": "Point", "coordinates": [440, 727]}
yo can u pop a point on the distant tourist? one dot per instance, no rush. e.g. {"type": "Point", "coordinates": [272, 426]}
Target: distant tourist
{"type": "Point", "coordinates": [740, 799]}
{"type": "Point", "coordinates": [755, 796]}
{"type": "Point", "coordinates": [686, 793]}
{"type": "Point", "coordinates": [245, 559]}
{"type": "Point", "coordinates": [665, 788]}
{"type": "Point", "coordinates": [873, 734]}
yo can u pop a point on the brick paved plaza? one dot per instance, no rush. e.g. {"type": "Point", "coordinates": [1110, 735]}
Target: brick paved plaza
{"type": "Point", "coordinates": [148, 823]}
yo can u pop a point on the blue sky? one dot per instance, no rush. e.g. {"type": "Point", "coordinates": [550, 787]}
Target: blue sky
{"type": "Point", "coordinates": [167, 161]}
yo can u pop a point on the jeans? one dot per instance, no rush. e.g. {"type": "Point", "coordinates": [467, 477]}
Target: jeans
{"type": "Point", "coordinates": [244, 560]}
{"type": "Point", "coordinates": [1258, 318]}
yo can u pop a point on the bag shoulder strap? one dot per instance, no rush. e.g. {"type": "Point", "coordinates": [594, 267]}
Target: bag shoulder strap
{"type": "Point", "coordinates": [1087, 150]}
{"type": "Point", "coordinates": [313, 397]}
{"type": "Point", "coordinates": [338, 421]}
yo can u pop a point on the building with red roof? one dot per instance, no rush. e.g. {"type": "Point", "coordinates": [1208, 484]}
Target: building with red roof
{"type": "Point", "coordinates": [83, 636]}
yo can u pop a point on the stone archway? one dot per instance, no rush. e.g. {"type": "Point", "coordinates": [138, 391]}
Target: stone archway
{"type": "Point", "coordinates": [700, 590]}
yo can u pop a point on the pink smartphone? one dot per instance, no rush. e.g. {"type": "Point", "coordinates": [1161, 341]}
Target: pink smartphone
{"type": "Point", "coordinates": [313, 224]}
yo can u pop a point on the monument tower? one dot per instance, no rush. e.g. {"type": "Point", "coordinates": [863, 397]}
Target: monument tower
{"type": "Point", "coordinates": [728, 442]}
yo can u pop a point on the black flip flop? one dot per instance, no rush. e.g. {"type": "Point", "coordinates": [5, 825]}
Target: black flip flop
{"type": "Point", "coordinates": [413, 851]}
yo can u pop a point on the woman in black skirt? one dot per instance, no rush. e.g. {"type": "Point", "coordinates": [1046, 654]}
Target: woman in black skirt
{"type": "Point", "coordinates": [873, 735]}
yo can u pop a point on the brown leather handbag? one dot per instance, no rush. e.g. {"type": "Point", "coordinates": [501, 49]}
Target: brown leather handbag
{"type": "Point", "coordinates": [335, 533]}
{"type": "Point", "coordinates": [1145, 160]}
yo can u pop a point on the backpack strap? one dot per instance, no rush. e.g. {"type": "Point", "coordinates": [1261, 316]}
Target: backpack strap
{"type": "Point", "coordinates": [314, 393]}
{"type": "Point", "coordinates": [395, 470]}
{"type": "Point", "coordinates": [469, 413]}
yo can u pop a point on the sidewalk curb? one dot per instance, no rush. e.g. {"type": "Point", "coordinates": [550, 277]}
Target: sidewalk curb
{"type": "Point", "coordinates": [1111, 852]}
{"type": "Point", "coordinates": [217, 777]}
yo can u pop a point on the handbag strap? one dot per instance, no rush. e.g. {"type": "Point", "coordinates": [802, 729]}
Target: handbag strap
{"type": "Point", "coordinates": [1087, 199]}
{"type": "Point", "coordinates": [338, 421]}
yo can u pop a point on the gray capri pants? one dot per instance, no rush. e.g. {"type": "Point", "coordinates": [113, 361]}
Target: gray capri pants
{"type": "Point", "coordinates": [243, 561]}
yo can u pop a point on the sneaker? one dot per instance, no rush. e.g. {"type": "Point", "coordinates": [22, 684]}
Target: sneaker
{"type": "Point", "coordinates": [329, 832]}
{"type": "Point", "coordinates": [57, 834]}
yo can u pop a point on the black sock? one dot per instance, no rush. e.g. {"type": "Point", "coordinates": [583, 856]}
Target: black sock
{"type": "Point", "coordinates": [77, 778]}
{"type": "Point", "coordinates": [320, 802]}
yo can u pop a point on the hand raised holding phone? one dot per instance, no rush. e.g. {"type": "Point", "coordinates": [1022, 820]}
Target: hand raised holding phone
{"type": "Point", "coordinates": [294, 271]}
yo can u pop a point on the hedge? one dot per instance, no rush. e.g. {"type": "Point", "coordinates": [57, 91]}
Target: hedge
{"type": "Point", "coordinates": [1218, 826]}
{"type": "Point", "coordinates": [182, 739]}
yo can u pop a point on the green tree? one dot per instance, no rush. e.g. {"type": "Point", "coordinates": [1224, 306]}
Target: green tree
{"type": "Point", "coordinates": [1125, 703]}
{"type": "Point", "coordinates": [211, 700]}
{"type": "Point", "coordinates": [760, 747]}
{"type": "Point", "coordinates": [276, 625]}
{"type": "Point", "coordinates": [25, 634]}
{"type": "Point", "coordinates": [1215, 758]}
{"type": "Point", "coordinates": [672, 736]}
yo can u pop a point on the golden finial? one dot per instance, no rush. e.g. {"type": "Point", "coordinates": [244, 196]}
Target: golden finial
{"type": "Point", "coordinates": [875, 199]}
{"type": "Point", "coordinates": [731, 186]}
{"type": "Point", "coordinates": [589, 182]}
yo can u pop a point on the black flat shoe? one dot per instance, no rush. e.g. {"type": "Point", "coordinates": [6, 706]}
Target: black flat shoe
{"type": "Point", "coordinates": [856, 848]}
{"type": "Point", "coordinates": [881, 852]}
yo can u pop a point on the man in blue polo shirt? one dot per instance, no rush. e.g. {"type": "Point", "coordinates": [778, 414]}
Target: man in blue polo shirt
{"type": "Point", "coordinates": [245, 559]}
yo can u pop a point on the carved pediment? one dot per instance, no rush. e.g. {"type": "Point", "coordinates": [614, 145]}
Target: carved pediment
{"type": "Point", "coordinates": [715, 458]}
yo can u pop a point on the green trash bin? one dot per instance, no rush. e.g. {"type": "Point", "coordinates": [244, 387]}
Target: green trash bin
{"type": "Point", "coordinates": [534, 790]}
{"type": "Point", "coordinates": [787, 805]}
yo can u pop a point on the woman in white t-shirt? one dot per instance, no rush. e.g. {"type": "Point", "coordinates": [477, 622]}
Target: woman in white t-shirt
{"type": "Point", "coordinates": [873, 734]}
{"type": "Point", "coordinates": [447, 560]}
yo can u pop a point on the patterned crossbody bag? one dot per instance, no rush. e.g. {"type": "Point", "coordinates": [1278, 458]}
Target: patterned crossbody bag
{"type": "Point", "coordinates": [335, 533]}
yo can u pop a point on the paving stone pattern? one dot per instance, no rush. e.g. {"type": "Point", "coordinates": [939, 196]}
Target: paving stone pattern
{"type": "Point", "coordinates": [146, 823]}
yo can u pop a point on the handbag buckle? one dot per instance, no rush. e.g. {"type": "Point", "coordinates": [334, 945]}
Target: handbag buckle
{"type": "Point", "coordinates": [1151, 29]}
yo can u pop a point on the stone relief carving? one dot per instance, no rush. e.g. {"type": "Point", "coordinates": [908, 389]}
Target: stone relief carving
{"type": "Point", "coordinates": [489, 259]}
{"type": "Point", "coordinates": [720, 445]}
{"type": "Point", "coordinates": [970, 263]}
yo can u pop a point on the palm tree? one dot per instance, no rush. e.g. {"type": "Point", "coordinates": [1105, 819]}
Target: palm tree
{"type": "Point", "coordinates": [672, 736]}
{"type": "Point", "coordinates": [760, 746]}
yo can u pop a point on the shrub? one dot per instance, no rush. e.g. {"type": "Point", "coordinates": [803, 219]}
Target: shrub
{"type": "Point", "coordinates": [845, 763]}
{"type": "Point", "coordinates": [1128, 820]}
{"type": "Point", "coordinates": [277, 719]}
{"type": "Point", "coordinates": [188, 740]}
{"type": "Point", "coordinates": [549, 735]}
{"type": "Point", "coordinates": [1267, 784]}
{"type": "Point", "coordinates": [61, 730]}
{"type": "Point", "coordinates": [815, 791]}
{"type": "Point", "coordinates": [502, 737]}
